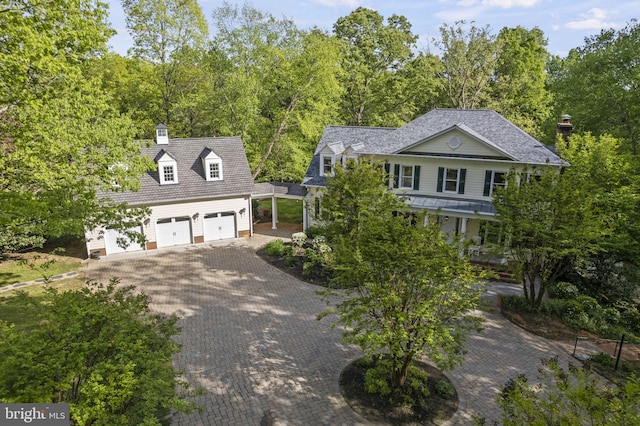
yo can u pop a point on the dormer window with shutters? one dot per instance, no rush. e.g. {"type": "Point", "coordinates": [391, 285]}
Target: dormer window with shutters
{"type": "Point", "coordinates": [212, 165]}
{"type": "Point", "coordinates": [167, 168]}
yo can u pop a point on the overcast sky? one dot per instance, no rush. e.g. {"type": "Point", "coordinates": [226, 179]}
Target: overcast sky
{"type": "Point", "coordinates": [565, 23]}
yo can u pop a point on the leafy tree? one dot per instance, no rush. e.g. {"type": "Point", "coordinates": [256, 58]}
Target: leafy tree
{"type": "Point", "coordinates": [100, 349]}
{"type": "Point", "coordinates": [274, 85]}
{"type": "Point", "coordinates": [62, 138]}
{"type": "Point", "coordinates": [353, 194]}
{"type": "Point", "coordinates": [166, 33]}
{"type": "Point", "coordinates": [374, 53]}
{"type": "Point", "coordinates": [470, 57]}
{"type": "Point", "coordinates": [575, 396]}
{"type": "Point", "coordinates": [548, 221]}
{"type": "Point", "coordinates": [518, 86]}
{"type": "Point", "coordinates": [598, 85]}
{"type": "Point", "coordinates": [408, 289]}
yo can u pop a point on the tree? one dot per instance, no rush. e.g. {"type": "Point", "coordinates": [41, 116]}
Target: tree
{"type": "Point", "coordinates": [470, 58]}
{"type": "Point", "coordinates": [274, 85]}
{"type": "Point", "coordinates": [63, 140]}
{"type": "Point", "coordinates": [548, 221]}
{"type": "Point", "coordinates": [100, 349]}
{"type": "Point", "coordinates": [374, 53]}
{"type": "Point", "coordinates": [408, 289]}
{"type": "Point", "coordinates": [166, 33]}
{"type": "Point", "coordinates": [518, 86]}
{"type": "Point", "coordinates": [575, 396]}
{"type": "Point", "coordinates": [598, 85]}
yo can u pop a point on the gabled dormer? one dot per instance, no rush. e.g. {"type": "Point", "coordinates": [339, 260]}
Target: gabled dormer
{"type": "Point", "coordinates": [162, 134]}
{"type": "Point", "coordinates": [167, 168]}
{"type": "Point", "coordinates": [351, 153]}
{"type": "Point", "coordinates": [328, 155]}
{"type": "Point", "coordinates": [212, 165]}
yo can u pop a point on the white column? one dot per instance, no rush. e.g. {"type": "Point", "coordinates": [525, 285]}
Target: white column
{"type": "Point", "coordinates": [250, 218]}
{"type": "Point", "coordinates": [463, 231]}
{"type": "Point", "coordinates": [305, 219]}
{"type": "Point", "coordinates": [274, 213]}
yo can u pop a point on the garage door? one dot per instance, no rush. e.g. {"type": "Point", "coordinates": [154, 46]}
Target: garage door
{"type": "Point", "coordinates": [173, 231]}
{"type": "Point", "coordinates": [219, 226]}
{"type": "Point", "coordinates": [117, 242]}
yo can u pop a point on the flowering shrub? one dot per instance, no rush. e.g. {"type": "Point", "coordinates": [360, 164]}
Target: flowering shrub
{"type": "Point", "coordinates": [318, 241]}
{"type": "Point", "coordinates": [299, 239]}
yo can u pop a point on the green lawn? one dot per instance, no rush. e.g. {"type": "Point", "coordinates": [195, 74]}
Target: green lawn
{"type": "Point", "coordinates": [34, 266]}
{"type": "Point", "coordinates": [289, 211]}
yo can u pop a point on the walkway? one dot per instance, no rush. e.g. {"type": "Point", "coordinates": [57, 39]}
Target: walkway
{"type": "Point", "coordinates": [251, 339]}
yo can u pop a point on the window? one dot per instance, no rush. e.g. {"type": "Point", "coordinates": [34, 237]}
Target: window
{"type": "Point", "coordinates": [214, 170]}
{"type": "Point", "coordinates": [168, 174]}
{"type": "Point", "coordinates": [327, 165]}
{"type": "Point", "coordinates": [406, 177]}
{"type": "Point", "coordinates": [493, 180]}
{"type": "Point", "coordinates": [451, 180]}
{"type": "Point", "coordinates": [161, 133]}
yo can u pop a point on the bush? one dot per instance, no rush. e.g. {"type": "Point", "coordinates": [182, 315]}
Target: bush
{"type": "Point", "coordinates": [299, 239]}
{"type": "Point", "coordinates": [275, 248]}
{"type": "Point", "coordinates": [313, 231]}
{"type": "Point", "coordinates": [445, 389]}
{"type": "Point", "coordinates": [563, 290]}
{"type": "Point", "coordinates": [318, 241]}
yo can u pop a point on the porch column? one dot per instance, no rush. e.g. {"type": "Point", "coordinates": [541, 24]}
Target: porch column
{"type": "Point", "coordinates": [305, 219]}
{"type": "Point", "coordinates": [274, 212]}
{"type": "Point", "coordinates": [463, 231]}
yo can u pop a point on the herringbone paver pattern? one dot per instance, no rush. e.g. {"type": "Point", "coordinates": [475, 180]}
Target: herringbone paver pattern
{"type": "Point", "coordinates": [251, 339]}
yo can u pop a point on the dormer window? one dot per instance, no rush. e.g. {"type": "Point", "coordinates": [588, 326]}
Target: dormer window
{"type": "Point", "coordinates": [167, 168]}
{"type": "Point", "coordinates": [162, 134]}
{"type": "Point", "coordinates": [212, 165]}
{"type": "Point", "coordinates": [327, 165]}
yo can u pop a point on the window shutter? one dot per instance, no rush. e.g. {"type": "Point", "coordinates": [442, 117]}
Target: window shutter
{"type": "Point", "coordinates": [387, 170]}
{"type": "Point", "coordinates": [463, 177]}
{"type": "Point", "coordinates": [396, 175]}
{"type": "Point", "coordinates": [487, 183]}
{"type": "Point", "coordinates": [416, 177]}
{"type": "Point", "coordinates": [440, 178]}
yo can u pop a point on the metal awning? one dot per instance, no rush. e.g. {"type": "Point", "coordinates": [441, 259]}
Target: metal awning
{"type": "Point", "coordinates": [471, 207]}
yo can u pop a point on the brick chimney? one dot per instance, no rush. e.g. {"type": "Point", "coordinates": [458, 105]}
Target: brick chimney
{"type": "Point", "coordinates": [565, 128]}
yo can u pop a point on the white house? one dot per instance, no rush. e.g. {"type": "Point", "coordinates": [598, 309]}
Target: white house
{"type": "Point", "coordinates": [200, 191]}
{"type": "Point", "coordinates": [446, 162]}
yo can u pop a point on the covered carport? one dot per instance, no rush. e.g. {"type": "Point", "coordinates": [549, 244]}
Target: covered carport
{"type": "Point", "coordinates": [275, 190]}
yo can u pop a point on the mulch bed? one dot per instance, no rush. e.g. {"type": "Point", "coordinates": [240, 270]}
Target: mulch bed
{"type": "Point", "coordinates": [436, 410]}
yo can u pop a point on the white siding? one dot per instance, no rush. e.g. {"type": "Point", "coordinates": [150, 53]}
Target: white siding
{"type": "Point", "coordinates": [470, 146]}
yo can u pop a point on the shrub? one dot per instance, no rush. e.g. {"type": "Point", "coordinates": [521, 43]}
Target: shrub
{"type": "Point", "coordinates": [291, 261]}
{"type": "Point", "coordinates": [299, 239]}
{"type": "Point", "coordinates": [275, 248]}
{"type": "Point", "coordinates": [564, 290]}
{"type": "Point", "coordinates": [445, 389]}
{"type": "Point", "coordinates": [318, 241]}
{"type": "Point", "coordinates": [313, 231]}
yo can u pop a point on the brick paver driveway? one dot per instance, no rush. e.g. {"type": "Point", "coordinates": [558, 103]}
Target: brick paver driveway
{"type": "Point", "coordinates": [251, 339]}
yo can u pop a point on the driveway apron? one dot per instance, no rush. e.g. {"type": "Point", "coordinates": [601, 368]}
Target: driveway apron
{"type": "Point", "coordinates": [251, 340]}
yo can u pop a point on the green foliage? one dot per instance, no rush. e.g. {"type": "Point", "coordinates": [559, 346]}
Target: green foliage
{"type": "Point", "coordinates": [445, 389]}
{"type": "Point", "coordinates": [100, 349]}
{"type": "Point", "coordinates": [563, 290]}
{"type": "Point", "coordinates": [275, 247]}
{"type": "Point", "coordinates": [299, 239]}
{"type": "Point", "coordinates": [567, 397]}
{"type": "Point", "coordinates": [377, 381]}
{"type": "Point", "coordinates": [314, 231]}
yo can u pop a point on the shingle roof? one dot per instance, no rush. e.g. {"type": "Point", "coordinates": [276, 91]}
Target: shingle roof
{"type": "Point", "coordinates": [192, 183]}
{"type": "Point", "coordinates": [485, 125]}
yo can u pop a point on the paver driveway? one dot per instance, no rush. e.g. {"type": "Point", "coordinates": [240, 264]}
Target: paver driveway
{"type": "Point", "coordinates": [250, 338]}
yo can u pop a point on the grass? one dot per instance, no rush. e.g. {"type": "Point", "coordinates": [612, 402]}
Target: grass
{"type": "Point", "coordinates": [289, 210]}
{"type": "Point", "coordinates": [32, 266]}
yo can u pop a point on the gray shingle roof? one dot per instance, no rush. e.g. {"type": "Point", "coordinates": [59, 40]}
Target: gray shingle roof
{"type": "Point", "coordinates": [488, 126]}
{"type": "Point", "coordinates": [192, 183]}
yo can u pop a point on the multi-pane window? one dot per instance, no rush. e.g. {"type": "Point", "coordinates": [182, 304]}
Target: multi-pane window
{"type": "Point", "coordinates": [168, 174]}
{"type": "Point", "coordinates": [406, 177]}
{"type": "Point", "coordinates": [327, 165]}
{"type": "Point", "coordinates": [498, 180]}
{"type": "Point", "coordinates": [451, 180]}
{"type": "Point", "coordinates": [161, 133]}
{"type": "Point", "coordinates": [214, 170]}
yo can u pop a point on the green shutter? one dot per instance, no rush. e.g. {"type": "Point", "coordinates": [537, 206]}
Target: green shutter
{"type": "Point", "coordinates": [440, 178]}
{"type": "Point", "coordinates": [387, 170]}
{"type": "Point", "coordinates": [416, 178]}
{"type": "Point", "coordinates": [396, 175]}
{"type": "Point", "coordinates": [463, 177]}
{"type": "Point", "coordinates": [487, 183]}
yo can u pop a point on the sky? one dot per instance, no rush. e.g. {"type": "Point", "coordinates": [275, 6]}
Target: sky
{"type": "Point", "coordinates": [565, 23]}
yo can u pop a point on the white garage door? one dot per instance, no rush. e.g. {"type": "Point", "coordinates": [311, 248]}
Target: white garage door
{"type": "Point", "coordinates": [219, 226]}
{"type": "Point", "coordinates": [173, 231]}
{"type": "Point", "coordinates": [114, 241]}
